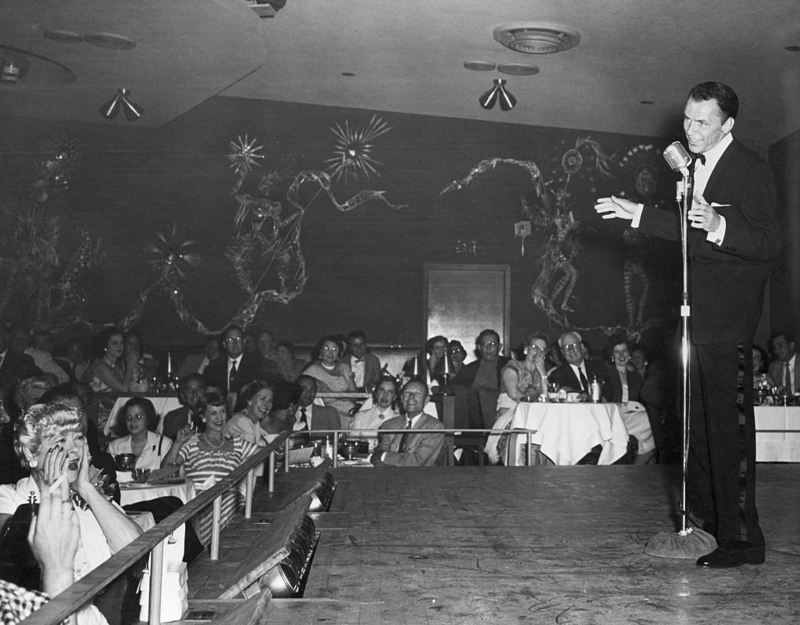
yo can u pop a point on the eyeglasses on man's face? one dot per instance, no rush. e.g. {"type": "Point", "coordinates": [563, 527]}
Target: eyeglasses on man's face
{"type": "Point", "coordinates": [572, 347]}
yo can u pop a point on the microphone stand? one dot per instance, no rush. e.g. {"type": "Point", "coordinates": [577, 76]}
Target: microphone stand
{"type": "Point", "coordinates": [684, 196]}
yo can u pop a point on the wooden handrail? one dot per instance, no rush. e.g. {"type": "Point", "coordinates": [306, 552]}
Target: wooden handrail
{"type": "Point", "coordinates": [85, 589]}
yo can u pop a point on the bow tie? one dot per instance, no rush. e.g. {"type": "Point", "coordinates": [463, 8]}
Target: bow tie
{"type": "Point", "coordinates": [700, 157]}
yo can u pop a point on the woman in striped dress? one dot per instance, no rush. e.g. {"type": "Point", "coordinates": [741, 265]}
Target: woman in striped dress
{"type": "Point", "coordinates": [210, 454]}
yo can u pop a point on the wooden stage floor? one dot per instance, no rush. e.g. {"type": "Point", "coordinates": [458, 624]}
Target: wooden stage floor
{"type": "Point", "coordinates": [543, 544]}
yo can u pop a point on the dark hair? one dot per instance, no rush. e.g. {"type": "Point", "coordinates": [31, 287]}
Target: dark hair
{"type": "Point", "coordinates": [329, 338]}
{"type": "Point", "coordinates": [487, 332]}
{"type": "Point", "coordinates": [148, 407]}
{"type": "Point", "coordinates": [247, 392]}
{"type": "Point", "coordinates": [100, 341]}
{"type": "Point", "coordinates": [786, 335]}
{"type": "Point", "coordinates": [727, 100]}
{"type": "Point", "coordinates": [613, 341]}
{"type": "Point", "coordinates": [287, 344]}
{"type": "Point", "coordinates": [433, 340]}
{"type": "Point", "coordinates": [229, 328]}
{"type": "Point", "coordinates": [184, 383]}
{"type": "Point", "coordinates": [59, 393]}
{"type": "Point", "coordinates": [764, 358]}
{"type": "Point", "coordinates": [357, 334]}
{"type": "Point", "coordinates": [455, 345]}
{"type": "Point", "coordinates": [634, 346]}
{"type": "Point", "coordinates": [212, 398]}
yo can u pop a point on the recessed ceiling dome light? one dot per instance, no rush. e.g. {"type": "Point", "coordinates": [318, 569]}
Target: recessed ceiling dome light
{"type": "Point", "coordinates": [537, 38]}
{"type": "Point", "coordinates": [479, 66]}
{"type": "Point", "coordinates": [518, 69]}
{"type": "Point", "coordinates": [110, 41]}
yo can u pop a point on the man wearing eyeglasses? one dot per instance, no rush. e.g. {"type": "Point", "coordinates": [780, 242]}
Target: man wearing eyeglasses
{"type": "Point", "coordinates": [577, 372]}
{"type": "Point", "coordinates": [237, 368]}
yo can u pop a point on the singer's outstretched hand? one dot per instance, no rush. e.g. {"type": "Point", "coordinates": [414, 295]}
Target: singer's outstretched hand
{"type": "Point", "coordinates": [611, 207]}
{"type": "Point", "coordinates": [703, 215]}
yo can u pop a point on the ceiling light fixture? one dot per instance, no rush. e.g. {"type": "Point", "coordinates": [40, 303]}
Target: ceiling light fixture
{"type": "Point", "coordinates": [120, 101]}
{"type": "Point", "coordinates": [496, 94]}
{"type": "Point", "coordinates": [12, 67]}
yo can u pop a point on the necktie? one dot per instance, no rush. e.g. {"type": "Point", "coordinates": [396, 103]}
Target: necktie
{"type": "Point", "coordinates": [584, 383]}
{"type": "Point", "coordinates": [232, 377]}
{"type": "Point", "coordinates": [303, 415]}
{"type": "Point", "coordinates": [404, 438]}
{"type": "Point", "coordinates": [788, 378]}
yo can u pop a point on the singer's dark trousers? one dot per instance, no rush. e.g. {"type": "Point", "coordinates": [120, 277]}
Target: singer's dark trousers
{"type": "Point", "coordinates": [721, 483]}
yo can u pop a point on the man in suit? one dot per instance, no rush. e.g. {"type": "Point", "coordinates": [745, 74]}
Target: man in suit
{"type": "Point", "coordinates": [314, 416]}
{"type": "Point", "coordinates": [14, 366]}
{"type": "Point", "coordinates": [365, 365]}
{"type": "Point", "coordinates": [733, 236]}
{"type": "Point", "coordinates": [191, 391]}
{"type": "Point", "coordinates": [236, 368]}
{"type": "Point", "coordinates": [420, 445]}
{"type": "Point", "coordinates": [577, 373]}
{"type": "Point", "coordinates": [783, 370]}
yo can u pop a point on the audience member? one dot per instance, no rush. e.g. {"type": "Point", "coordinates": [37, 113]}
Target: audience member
{"type": "Point", "coordinates": [251, 420]}
{"type": "Point", "coordinates": [208, 456]}
{"type": "Point", "coordinates": [108, 372]}
{"type": "Point", "coordinates": [143, 364]}
{"type": "Point", "coordinates": [523, 380]}
{"type": "Point", "coordinates": [312, 415]}
{"type": "Point", "coordinates": [289, 366]}
{"type": "Point", "coordinates": [481, 379]}
{"type": "Point", "coordinates": [375, 413]}
{"type": "Point", "coordinates": [50, 441]}
{"type": "Point", "coordinates": [191, 390]}
{"type": "Point", "coordinates": [20, 343]}
{"type": "Point", "coordinates": [365, 365]}
{"type": "Point", "coordinates": [237, 368]}
{"type": "Point", "coordinates": [250, 344]}
{"type": "Point", "coordinates": [577, 373]}
{"type": "Point", "coordinates": [761, 377]}
{"type": "Point", "coordinates": [420, 444]}
{"type": "Point", "coordinates": [457, 354]}
{"type": "Point", "coordinates": [265, 344]}
{"type": "Point", "coordinates": [142, 441]}
{"type": "Point", "coordinates": [74, 363]}
{"type": "Point", "coordinates": [14, 366]}
{"type": "Point", "coordinates": [197, 363]}
{"type": "Point", "coordinates": [333, 376]}
{"type": "Point", "coordinates": [626, 383]}
{"type": "Point", "coordinates": [783, 370]}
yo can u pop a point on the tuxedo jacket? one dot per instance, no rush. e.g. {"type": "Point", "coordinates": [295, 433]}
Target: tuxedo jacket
{"type": "Point", "coordinates": [15, 367]}
{"type": "Point", "coordinates": [727, 281]}
{"type": "Point", "coordinates": [251, 367]}
{"type": "Point", "coordinates": [422, 444]}
{"type": "Point", "coordinates": [372, 368]}
{"type": "Point", "coordinates": [565, 376]}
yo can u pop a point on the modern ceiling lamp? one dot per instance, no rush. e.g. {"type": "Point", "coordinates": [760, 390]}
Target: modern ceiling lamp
{"type": "Point", "coordinates": [120, 101]}
{"type": "Point", "coordinates": [496, 94]}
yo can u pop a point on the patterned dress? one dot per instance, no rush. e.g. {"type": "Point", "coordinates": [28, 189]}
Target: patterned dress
{"type": "Point", "coordinates": [201, 464]}
{"type": "Point", "coordinates": [329, 383]}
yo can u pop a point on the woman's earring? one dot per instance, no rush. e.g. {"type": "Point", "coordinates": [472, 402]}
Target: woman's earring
{"type": "Point", "coordinates": [33, 463]}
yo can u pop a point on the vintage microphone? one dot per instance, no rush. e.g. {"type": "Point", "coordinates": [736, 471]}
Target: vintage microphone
{"type": "Point", "coordinates": [688, 542]}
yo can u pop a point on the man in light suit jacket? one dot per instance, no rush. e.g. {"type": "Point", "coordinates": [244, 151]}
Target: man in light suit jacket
{"type": "Point", "coordinates": [733, 236]}
{"type": "Point", "coordinates": [420, 445]}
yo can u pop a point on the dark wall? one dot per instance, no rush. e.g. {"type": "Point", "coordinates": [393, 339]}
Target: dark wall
{"type": "Point", "coordinates": [364, 267]}
{"type": "Point", "coordinates": [784, 157]}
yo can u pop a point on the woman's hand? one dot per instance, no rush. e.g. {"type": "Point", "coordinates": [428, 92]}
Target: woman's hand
{"type": "Point", "coordinates": [54, 466]}
{"type": "Point", "coordinates": [54, 535]}
{"type": "Point", "coordinates": [183, 435]}
{"type": "Point", "coordinates": [84, 481]}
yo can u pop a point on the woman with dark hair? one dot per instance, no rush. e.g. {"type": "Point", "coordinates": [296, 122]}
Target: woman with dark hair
{"type": "Point", "coordinates": [290, 367]}
{"type": "Point", "coordinates": [108, 372]}
{"type": "Point", "coordinates": [333, 376]}
{"type": "Point", "coordinates": [208, 456]}
{"type": "Point", "coordinates": [142, 440]}
{"type": "Point", "coordinates": [457, 354]}
{"type": "Point", "coordinates": [761, 377]}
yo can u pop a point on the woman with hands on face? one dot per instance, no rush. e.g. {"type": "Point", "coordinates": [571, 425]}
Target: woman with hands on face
{"type": "Point", "coordinates": [50, 440]}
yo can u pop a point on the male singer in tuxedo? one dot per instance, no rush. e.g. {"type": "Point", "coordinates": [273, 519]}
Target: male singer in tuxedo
{"type": "Point", "coordinates": [732, 238]}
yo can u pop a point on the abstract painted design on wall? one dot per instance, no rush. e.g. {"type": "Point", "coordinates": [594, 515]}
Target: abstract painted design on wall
{"type": "Point", "coordinates": [551, 212]}
{"type": "Point", "coordinates": [266, 254]}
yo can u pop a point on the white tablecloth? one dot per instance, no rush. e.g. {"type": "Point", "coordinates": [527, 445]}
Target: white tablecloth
{"type": "Point", "coordinates": [777, 433]}
{"type": "Point", "coordinates": [567, 432]}
{"type": "Point", "coordinates": [133, 493]}
{"type": "Point", "coordinates": [162, 403]}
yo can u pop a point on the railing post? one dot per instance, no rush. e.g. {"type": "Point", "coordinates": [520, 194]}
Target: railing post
{"type": "Point", "coordinates": [335, 450]}
{"type": "Point", "coordinates": [271, 470]}
{"type": "Point", "coordinates": [286, 448]}
{"type": "Point", "coordinates": [529, 449]}
{"type": "Point", "coordinates": [250, 482]}
{"type": "Point", "coordinates": [217, 515]}
{"type": "Point", "coordinates": [156, 581]}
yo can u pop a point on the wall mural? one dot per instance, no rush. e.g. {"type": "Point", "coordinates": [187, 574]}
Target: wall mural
{"type": "Point", "coordinates": [266, 254]}
{"type": "Point", "coordinates": [550, 211]}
